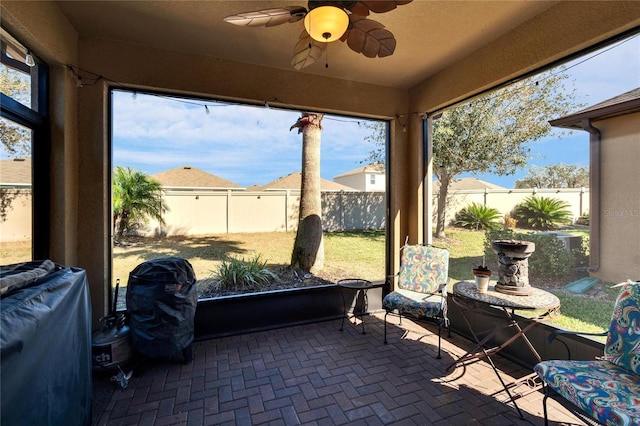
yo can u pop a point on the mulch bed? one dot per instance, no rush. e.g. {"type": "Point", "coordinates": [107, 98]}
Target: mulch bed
{"type": "Point", "coordinates": [286, 278]}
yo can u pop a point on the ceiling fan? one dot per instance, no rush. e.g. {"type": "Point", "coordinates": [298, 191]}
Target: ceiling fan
{"type": "Point", "coordinates": [328, 21]}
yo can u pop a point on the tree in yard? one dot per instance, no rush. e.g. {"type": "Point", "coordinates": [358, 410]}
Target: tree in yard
{"type": "Point", "coordinates": [16, 140]}
{"type": "Point", "coordinates": [136, 198]}
{"type": "Point", "coordinates": [378, 137]}
{"type": "Point", "coordinates": [491, 134]}
{"type": "Point", "coordinates": [308, 248]}
{"type": "Point", "coordinates": [555, 176]}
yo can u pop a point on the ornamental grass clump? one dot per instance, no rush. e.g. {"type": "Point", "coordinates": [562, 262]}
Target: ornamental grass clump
{"type": "Point", "coordinates": [240, 274]}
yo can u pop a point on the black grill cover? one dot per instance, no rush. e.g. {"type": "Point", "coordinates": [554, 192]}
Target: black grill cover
{"type": "Point", "coordinates": [161, 301]}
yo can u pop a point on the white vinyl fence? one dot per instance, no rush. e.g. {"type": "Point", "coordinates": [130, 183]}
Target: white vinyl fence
{"type": "Point", "coordinates": [16, 226]}
{"type": "Point", "coordinates": [192, 212]}
{"type": "Point", "coordinates": [220, 212]}
{"type": "Point", "coordinates": [504, 200]}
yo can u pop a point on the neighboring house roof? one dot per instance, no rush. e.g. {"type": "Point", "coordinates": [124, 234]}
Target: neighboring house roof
{"type": "Point", "coordinates": [294, 181]}
{"type": "Point", "coordinates": [369, 168]}
{"type": "Point", "coordinates": [467, 184]}
{"type": "Point", "coordinates": [15, 171]}
{"type": "Point", "coordinates": [625, 103]}
{"type": "Point", "coordinates": [191, 177]}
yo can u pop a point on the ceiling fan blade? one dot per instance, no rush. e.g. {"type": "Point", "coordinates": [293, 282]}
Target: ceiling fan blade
{"type": "Point", "coordinates": [369, 37]}
{"type": "Point", "coordinates": [268, 17]}
{"type": "Point", "coordinates": [363, 7]}
{"type": "Point", "coordinates": [307, 51]}
{"type": "Point", "coordinates": [359, 8]}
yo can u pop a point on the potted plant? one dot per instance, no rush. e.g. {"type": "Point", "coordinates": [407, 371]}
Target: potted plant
{"type": "Point", "coordinates": [482, 275]}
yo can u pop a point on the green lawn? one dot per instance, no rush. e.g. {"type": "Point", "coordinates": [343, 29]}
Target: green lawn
{"type": "Point", "coordinates": [578, 312]}
{"type": "Point", "coordinates": [15, 252]}
{"type": "Point", "coordinates": [353, 254]}
{"type": "Point", "coordinates": [347, 254]}
{"type": "Point", "coordinates": [583, 313]}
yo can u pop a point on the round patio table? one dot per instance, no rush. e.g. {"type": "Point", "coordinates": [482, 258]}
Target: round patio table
{"type": "Point", "coordinates": [467, 298]}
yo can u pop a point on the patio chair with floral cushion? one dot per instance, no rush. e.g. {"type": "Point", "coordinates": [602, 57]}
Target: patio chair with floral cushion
{"type": "Point", "coordinates": [421, 287]}
{"type": "Point", "coordinates": [605, 390]}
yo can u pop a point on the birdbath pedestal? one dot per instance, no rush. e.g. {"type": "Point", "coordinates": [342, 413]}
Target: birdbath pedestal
{"type": "Point", "coordinates": [513, 266]}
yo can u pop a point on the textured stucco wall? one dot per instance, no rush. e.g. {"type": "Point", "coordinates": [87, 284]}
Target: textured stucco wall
{"type": "Point", "coordinates": [619, 198]}
{"type": "Point", "coordinates": [564, 29]}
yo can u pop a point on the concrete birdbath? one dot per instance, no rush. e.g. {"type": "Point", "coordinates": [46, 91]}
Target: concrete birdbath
{"type": "Point", "coordinates": [513, 266]}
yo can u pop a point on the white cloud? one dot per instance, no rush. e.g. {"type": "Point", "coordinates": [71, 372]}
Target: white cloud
{"type": "Point", "coordinates": [609, 72]}
{"type": "Point", "coordinates": [243, 144]}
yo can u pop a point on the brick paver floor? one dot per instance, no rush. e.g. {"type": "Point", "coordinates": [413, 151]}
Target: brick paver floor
{"type": "Point", "coordinates": [317, 375]}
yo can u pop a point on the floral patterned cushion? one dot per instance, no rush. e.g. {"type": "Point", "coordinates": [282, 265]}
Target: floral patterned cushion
{"type": "Point", "coordinates": [604, 390]}
{"type": "Point", "coordinates": [411, 302]}
{"type": "Point", "coordinates": [423, 268]}
{"type": "Point", "coordinates": [623, 340]}
{"type": "Point", "coordinates": [422, 271]}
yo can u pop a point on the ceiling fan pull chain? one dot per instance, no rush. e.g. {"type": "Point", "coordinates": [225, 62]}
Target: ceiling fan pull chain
{"type": "Point", "coordinates": [326, 57]}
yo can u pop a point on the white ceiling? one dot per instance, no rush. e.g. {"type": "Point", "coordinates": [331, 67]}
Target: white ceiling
{"type": "Point", "coordinates": [431, 35]}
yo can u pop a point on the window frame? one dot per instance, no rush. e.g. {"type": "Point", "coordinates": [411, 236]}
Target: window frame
{"type": "Point", "coordinates": [35, 119]}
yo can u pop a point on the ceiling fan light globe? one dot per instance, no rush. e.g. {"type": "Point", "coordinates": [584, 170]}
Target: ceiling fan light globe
{"type": "Point", "coordinates": [326, 23]}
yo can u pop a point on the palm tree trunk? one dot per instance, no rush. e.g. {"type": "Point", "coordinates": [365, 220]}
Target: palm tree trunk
{"type": "Point", "coordinates": [308, 248]}
{"type": "Point", "coordinates": [122, 224]}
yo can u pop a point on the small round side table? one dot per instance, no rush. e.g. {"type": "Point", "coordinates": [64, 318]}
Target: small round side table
{"type": "Point", "coordinates": [360, 286]}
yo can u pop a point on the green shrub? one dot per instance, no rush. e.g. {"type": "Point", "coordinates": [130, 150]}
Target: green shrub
{"type": "Point", "coordinates": [542, 212]}
{"type": "Point", "coordinates": [239, 274]}
{"type": "Point", "coordinates": [477, 216]}
{"type": "Point", "coordinates": [581, 254]}
{"type": "Point", "coordinates": [583, 219]}
{"type": "Point", "coordinates": [550, 260]}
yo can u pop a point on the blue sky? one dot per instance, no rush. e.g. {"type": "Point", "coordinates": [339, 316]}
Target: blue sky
{"type": "Point", "coordinates": [246, 145]}
{"type": "Point", "coordinates": [253, 145]}
{"type": "Point", "coordinates": [608, 73]}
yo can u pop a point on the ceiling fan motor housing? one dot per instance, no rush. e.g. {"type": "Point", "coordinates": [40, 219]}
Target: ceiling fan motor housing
{"type": "Point", "coordinates": [326, 21]}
